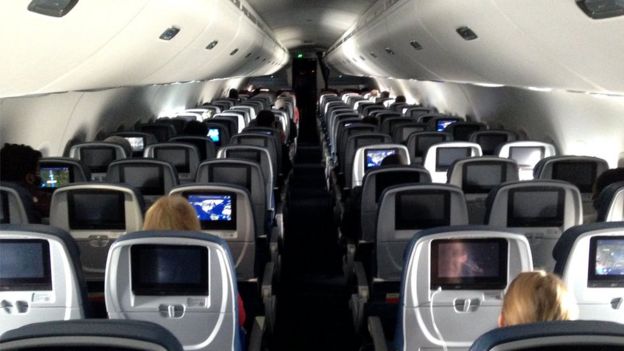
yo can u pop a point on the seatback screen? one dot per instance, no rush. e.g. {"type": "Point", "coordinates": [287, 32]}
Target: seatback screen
{"type": "Point", "coordinates": [231, 174]}
{"type": "Point", "coordinates": [178, 157]}
{"type": "Point", "coordinates": [526, 156]}
{"type": "Point", "coordinates": [96, 209]}
{"type": "Point", "coordinates": [581, 174]}
{"type": "Point", "coordinates": [54, 177]}
{"type": "Point", "coordinates": [166, 270]}
{"type": "Point", "coordinates": [441, 124]}
{"type": "Point", "coordinates": [469, 264]}
{"type": "Point", "coordinates": [424, 142]}
{"type": "Point", "coordinates": [445, 156]}
{"type": "Point", "coordinates": [374, 157]}
{"type": "Point", "coordinates": [535, 208]}
{"type": "Point", "coordinates": [490, 142]}
{"type": "Point", "coordinates": [215, 135]}
{"type": "Point", "coordinates": [385, 180]}
{"type": "Point", "coordinates": [25, 265]}
{"type": "Point", "coordinates": [214, 211]}
{"type": "Point", "coordinates": [148, 178]}
{"type": "Point", "coordinates": [606, 262]}
{"type": "Point", "coordinates": [421, 210]}
{"type": "Point", "coordinates": [97, 158]}
{"type": "Point", "coordinates": [242, 154]}
{"type": "Point", "coordinates": [137, 143]}
{"type": "Point", "coordinates": [481, 178]}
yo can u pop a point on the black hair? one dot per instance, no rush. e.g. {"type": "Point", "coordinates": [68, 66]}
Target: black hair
{"type": "Point", "coordinates": [265, 118]}
{"type": "Point", "coordinates": [399, 98]}
{"type": "Point", "coordinates": [17, 161]}
{"type": "Point", "coordinates": [607, 177]}
{"type": "Point", "coordinates": [195, 128]}
{"type": "Point", "coordinates": [391, 160]}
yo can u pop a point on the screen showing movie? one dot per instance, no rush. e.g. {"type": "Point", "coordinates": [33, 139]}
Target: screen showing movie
{"type": "Point", "coordinates": [214, 135]}
{"type": "Point", "coordinates": [581, 174]}
{"type": "Point", "coordinates": [137, 143]}
{"type": "Point", "coordinates": [214, 211]}
{"type": "Point", "coordinates": [421, 210]}
{"type": "Point", "coordinates": [374, 157]}
{"type": "Point", "coordinates": [177, 156]}
{"type": "Point", "coordinates": [25, 265]}
{"type": "Point", "coordinates": [480, 178]}
{"type": "Point", "coordinates": [96, 210]}
{"type": "Point", "coordinates": [606, 262]}
{"type": "Point", "coordinates": [469, 264]}
{"type": "Point", "coordinates": [97, 158]}
{"type": "Point", "coordinates": [169, 270]}
{"type": "Point", "coordinates": [526, 156]}
{"type": "Point", "coordinates": [54, 177]}
{"type": "Point", "coordinates": [441, 124]}
{"type": "Point", "coordinates": [445, 156]}
{"type": "Point", "coordinates": [535, 208]}
{"type": "Point", "coordinates": [148, 178]}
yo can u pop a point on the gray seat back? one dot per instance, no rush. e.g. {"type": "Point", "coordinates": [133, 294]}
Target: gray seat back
{"type": "Point", "coordinates": [154, 178]}
{"type": "Point", "coordinates": [96, 156]}
{"type": "Point", "coordinates": [184, 157]}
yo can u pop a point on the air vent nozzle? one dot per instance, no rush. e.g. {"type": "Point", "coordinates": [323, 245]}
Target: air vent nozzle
{"type": "Point", "coordinates": [599, 9]}
{"type": "Point", "coordinates": [54, 8]}
{"type": "Point", "coordinates": [467, 33]}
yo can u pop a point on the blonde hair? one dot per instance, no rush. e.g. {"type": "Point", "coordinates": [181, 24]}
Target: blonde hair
{"type": "Point", "coordinates": [537, 297]}
{"type": "Point", "coordinates": [171, 213]}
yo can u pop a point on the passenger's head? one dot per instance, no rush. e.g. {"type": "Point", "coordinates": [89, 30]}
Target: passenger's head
{"type": "Point", "coordinates": [607, 177]}
{"type": "Point", "coordinates": [399, 98]}
{"type": "Point", "coordinates": [265, 118]}
{"type": "Point", "coordinates": [233, 94]}
{"type": "Point", "coordinates": [121, 141]}
{"type": "Point", "coordinates": [195, 128]}
{"type": "Point", "coordinates": [452, 259]}
{"type": "Point", "coordinates": [20, 164]}
{"type": "Point", "coordinates": [171, 213]}
{"type": "Point", "coordinates": [537, 297]}
{"type": "Point", "coordinates": [391, 160]}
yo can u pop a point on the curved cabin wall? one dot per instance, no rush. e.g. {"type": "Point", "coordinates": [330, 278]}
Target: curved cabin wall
{"type": "Point", "coordinates": [539, 67]}
{"type": "Point", "coordinates": [102, 66]}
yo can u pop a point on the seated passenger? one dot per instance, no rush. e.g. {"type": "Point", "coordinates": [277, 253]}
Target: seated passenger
{"type": "Point", "coordinates": [400, 98]}
{"type": "Point", "coordinates": [20, 164]}
{"type": "Point", "coordinates": [607, 177]}
{"type": "Point", "coordinates": [195, 128]}
{"type": "Point", "coordinates": [537, 296]}
{"type": "Point", "coordinates": [175, 213]}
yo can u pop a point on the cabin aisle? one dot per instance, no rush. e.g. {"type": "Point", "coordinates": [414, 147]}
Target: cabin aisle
{"type": "Point", "coordinates": [312, 310]}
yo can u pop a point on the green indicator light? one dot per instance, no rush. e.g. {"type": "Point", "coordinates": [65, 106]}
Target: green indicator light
{"type": "Point", "coordinates": [300, 55]}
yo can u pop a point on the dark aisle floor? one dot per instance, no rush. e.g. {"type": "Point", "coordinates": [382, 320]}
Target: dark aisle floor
{"type": "Point", "coordinates": [312, 310]}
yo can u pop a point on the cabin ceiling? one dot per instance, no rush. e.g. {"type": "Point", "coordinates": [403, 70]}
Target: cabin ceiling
{"type": "Point", "coordinates": [315, 23]}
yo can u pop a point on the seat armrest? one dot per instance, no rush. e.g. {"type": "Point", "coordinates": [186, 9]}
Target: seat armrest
{"type": "Point", "coordinates": [268, 299]}
{"type": "Point", "coordinates": [257, 334]}
{"type": "Point", "coordinates": [375, 329]}
{"type": "Point", "coordinates": [359, 300]}
{"type": "Point", "coordinates": [361, 280]}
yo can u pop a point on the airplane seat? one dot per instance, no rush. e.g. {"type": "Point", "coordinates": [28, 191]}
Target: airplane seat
{"type": "Point", "coordinates": [415, 111]}
{"type": "Point", "coordinates": [183, 157]}
{"type": "Point", "coordinates": [161, 131]}
{"type": "Point", "coordinates": [344, 128]}
{"type": "Point", "coordinates": [354, 143]}
{"type": "Point", "coordinates": [589, 260]}
{"type": "Point", "coordinates": [242, 115]}
{"type": "Point", "coordinates": [553, 335]}
{"type": "Point", "coordinates": [541, 209]}
{"type": "Point", "coordinates": [226, 211]}
{"type": "Point", "coordinates": [444, 305]}
{"type": "Point", "coordinates": [177, 123]}
{"type": "Point", "coordinates": [477, 176]}
{"type": "Point", "coordinates": [397, 106]}
{"type": "Point", "coordinates": [40, 276]}
{"type": "Point", "coordinates": [284, 121]}
{"type": "Point", "coordinates": [418, 142]}
{"type": "Point", "coordinates": [95, 214]}
{"type": "Point", "coordinates": [386, 124]}
{"type": "Point", "coordinates": [17, 205]}
{"type": "Point", "coordinates": [228, 123]}
{"type": "Point", "coordinates": [491, 140]}
{"type": "Point", "coordinates": [401, 131]}
{"type": "Point", "coordinates": [461, 131]}
{"type": "Point", "coordinates": [247, 175]}
{"type": "Point", "coordinates": [438, 123]}
{"type": "Point", "coordinates": [96, 156]}
{"type": "Point", "coordinates": [255, 154]}
{"type": "Point", "coordinates": [527, 154]}
{"type": "Point", "coordinates": [59, 171]}
{"type": "Point", "coordinates": [610, 203]}
{"type": "Point", "coordinates": [235, 116]}
{"type": "Point", "coordinates": [154, 178]}
{"type": "Point", "coordinates": [383, 115]}
{"type": "Point", "coordinates": [205, 146]}
{"type": "Point", "coordinates": [264, 141]}
{"type": "Point", "coordinates": [440, 157]}
{"type": "Point", "coordinates": [369, 157]}
{"type": "Point", "coordinates": [90, 334]}
{"type": "Point", "coordinates": [184, 281]}
{"type": "Point", "coordinates": [581, 171]}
